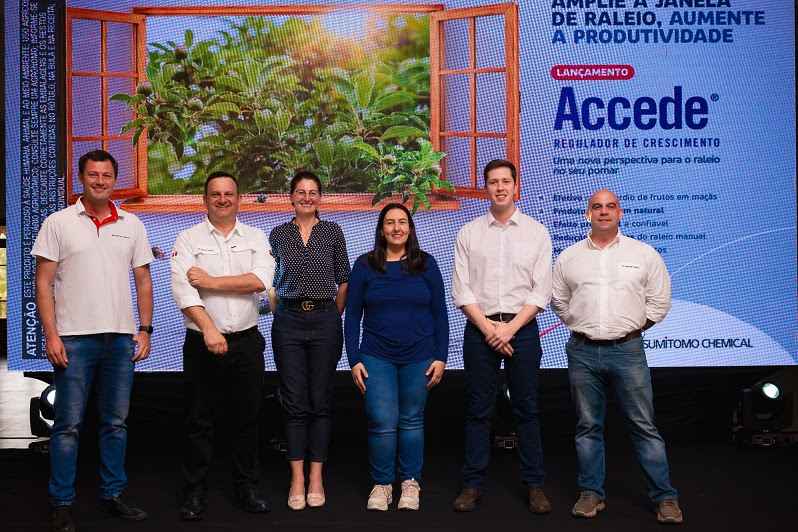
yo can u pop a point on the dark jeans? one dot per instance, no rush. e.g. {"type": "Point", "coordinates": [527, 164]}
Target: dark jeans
{"type": "Point", "coordinates": [307, 347]}
{"type": "Point", "coordinates": [105, 360]}
{"type": "Point", "coordinates": [481, 375]}
{"type": "Point", "coordinates": [593, 368]}
{"type": "Point", "coordinates": [231, 384]}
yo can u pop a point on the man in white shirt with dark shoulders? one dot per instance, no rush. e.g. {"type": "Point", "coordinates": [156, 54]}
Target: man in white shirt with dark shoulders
{"type": "Point", "coordinates": [607, 289]}
{"type": "Point", "coordinates": [501, 281]}
{"type": "Point", "coordinates": [219, 269]}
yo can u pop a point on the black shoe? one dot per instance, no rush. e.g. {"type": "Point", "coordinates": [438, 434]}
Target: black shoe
{"type": "Point", "coordinates": [251, 501]}
{"type": "Point", "coordinates": [61, 519]}
{"type": "Point", "coordinates": [122, 509]}
{"type": "Point", "coordinates": [193, 506]}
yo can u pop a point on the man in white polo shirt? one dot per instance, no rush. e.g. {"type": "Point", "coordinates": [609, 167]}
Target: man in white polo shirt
{"type": "Point", "coordinates": [501, 281]}
{"type": "Point", "coordinates": [84, 254]}
{"type": "Point", "coordinates": [607, 289]}
{"type": "Point", "coordinates": [219, 268]}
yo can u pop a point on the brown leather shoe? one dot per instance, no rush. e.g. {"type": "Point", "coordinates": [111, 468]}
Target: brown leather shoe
{"type": "Point", "coordinates": [538, 502]}
{"type": "Point", "coordinates": [467, 500]}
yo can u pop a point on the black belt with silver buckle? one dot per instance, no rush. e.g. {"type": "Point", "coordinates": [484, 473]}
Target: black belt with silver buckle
{"type": "Point", "coordinates": [503, 317]}
{"type": "Point", "coordinates": [306, 305]}
{"type": "Point", "coordinates": [631, 336]}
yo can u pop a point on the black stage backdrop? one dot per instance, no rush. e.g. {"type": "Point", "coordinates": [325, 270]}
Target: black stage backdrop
{"type": "Point", "coordinates": [722, 486]}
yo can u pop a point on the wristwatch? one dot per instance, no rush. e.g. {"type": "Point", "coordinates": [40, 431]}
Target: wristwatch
{"type": "Point", "coordinates": [146, 328]}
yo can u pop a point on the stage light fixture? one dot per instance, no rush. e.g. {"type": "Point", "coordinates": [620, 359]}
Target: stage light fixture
{"type": "Point", "coordinates": [767, 412]}
{"type": "Point", "coordinates": [48, 402]}
{"type": "Point", "coordinates": [42, 412]}
{"type": "Point", "coordinates": [770, 390]}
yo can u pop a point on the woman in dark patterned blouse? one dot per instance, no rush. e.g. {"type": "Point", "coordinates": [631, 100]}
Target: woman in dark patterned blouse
{"type": "Point", "coordinates": [310, 281]}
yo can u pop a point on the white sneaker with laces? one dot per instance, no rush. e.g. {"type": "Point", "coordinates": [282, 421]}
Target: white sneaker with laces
{"type": "Point", "coordinates": [410, 493]}
{"type": "Point", "coordinates": [380, 497]}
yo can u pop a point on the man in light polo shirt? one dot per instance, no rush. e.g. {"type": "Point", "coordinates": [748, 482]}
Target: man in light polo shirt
{"type": "Point", "coordinates": [219, 268]}
{"type": "Point", "coordinates": [607, 289]}
{"type": "Point", "coordinates": [501, 281]}
{"type": "Point", "coordinates": [84, 254]}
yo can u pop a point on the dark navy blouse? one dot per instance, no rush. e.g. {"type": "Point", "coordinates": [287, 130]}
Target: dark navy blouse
{"type": "Point", "coordinates": [313, 271]}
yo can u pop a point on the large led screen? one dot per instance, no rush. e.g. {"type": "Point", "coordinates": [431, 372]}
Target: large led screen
{"type": "Point", "coordinates": [685, 108]}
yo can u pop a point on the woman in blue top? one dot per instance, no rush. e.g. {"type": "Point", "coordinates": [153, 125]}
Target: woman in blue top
{"type": "Point", "coordinates": [397, 291]}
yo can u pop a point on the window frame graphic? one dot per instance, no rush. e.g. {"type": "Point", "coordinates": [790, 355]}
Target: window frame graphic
{"type": "Point", "coordinates": [137, 196]}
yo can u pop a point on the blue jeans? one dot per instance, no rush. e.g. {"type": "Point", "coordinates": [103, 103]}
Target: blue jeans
{"type": "Point", "coordinates": [105, 358]}
{"type": "Point", "coordinates": [482, 364]}
{"type": "Point", "coordinates": [591, 369]}
{"type": "Point", "coordinates": [396, 395]}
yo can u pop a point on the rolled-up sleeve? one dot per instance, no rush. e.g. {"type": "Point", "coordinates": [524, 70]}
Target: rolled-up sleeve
{"type": "Point", "coordinates": [560, 292]}
{"type": "Point", "coordinates": [462, 294]}
{"type": "Point", "coordinates": [541, 274]}
{"type": "Point", "coordinates": [658, 289]}
{"type": "Point", "coordinates": [263, 264]}
{"type": "Point", "coordinates": [182, 259]}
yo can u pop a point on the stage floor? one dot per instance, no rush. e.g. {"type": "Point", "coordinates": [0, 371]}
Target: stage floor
{"type": "Point", "coordinates": [721, 486]}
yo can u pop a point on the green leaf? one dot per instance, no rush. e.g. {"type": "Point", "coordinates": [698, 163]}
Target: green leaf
{"type": "Point", "coordinates": [228, 82]}
{"type": "Point", "coordinates": [222, 108]}
{"type": "Point", "coordinates": [263, 119]}
{"type": "Point", "coordinates": [136, 136]}
{"type": "Point", "coordinates": [282, 120]}
{"type": "Point", "coordinates": [401, 132]}
{"type": "Point", "coordinates": [364, 89]}
{"type": "Point", "coordinates": [188, 38]}
{"type": "Point", "coordinates": [121, 97]}
{"type": "Point", "coordinates": [367, 149]}
{"type": "Point", "coordinates": [324, 149]}
{"type": "Point", "coordinates": [161, 47]}
{"type": "Point", "coordinates": [393, 99]}
{"type": "Point", "coordinates": [422, 197]}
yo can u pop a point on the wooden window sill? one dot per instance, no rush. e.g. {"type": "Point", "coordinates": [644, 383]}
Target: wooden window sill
{"type": "Point", "coordinates": [187, 203]}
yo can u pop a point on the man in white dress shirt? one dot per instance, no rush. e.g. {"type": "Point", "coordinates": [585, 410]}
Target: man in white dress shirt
{"type": "Point", "coordinates": [219, 268]}
{"type": "Point", "coordinates": [501, 281]}
{"type": "Point", "coordinates": [607, 289]}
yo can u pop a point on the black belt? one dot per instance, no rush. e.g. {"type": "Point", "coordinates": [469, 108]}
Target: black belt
{"type": "Point", "coordinates": [306, 305]}
{"type": "Point", "coordinates": [631, 336]}
{"type": "Point", "coordinates": [503, 317]}
{"type": "Point", "coordinates": [232, 335]}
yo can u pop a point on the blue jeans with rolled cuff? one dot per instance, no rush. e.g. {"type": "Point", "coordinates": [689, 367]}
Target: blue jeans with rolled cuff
{"type": "Point", "coordinates": [396, 395]}
{"type": "Point", "coordinates": [592, 369]}
{"type": "Point", "coordinates": [482, 365]}
{"type": "Point", "coordinates": [105, 361]}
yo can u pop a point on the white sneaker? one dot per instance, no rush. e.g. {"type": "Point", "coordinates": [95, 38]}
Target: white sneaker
{"type": "Point", "coordinates": [410, 493]}
{"type": "Point", "coordinates": [380, 497]}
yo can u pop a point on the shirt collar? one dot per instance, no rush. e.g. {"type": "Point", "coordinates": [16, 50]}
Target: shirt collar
{"type": "Point", "coordinates": [616, 241]}
{"type": "Point", "coordinates": [115, 213]}
{"type": "Point", "coordinates": [212, 228]}
{"type": "Point", "coordinates": [514, 219]}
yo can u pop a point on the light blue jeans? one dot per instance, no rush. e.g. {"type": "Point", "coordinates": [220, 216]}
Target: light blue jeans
{"type": "Point", "coordinates": [592, 369]}
{"type": "Point", "coordinates": [396, 395]}
{"type": "Point", "coordinates": [104, 359]}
